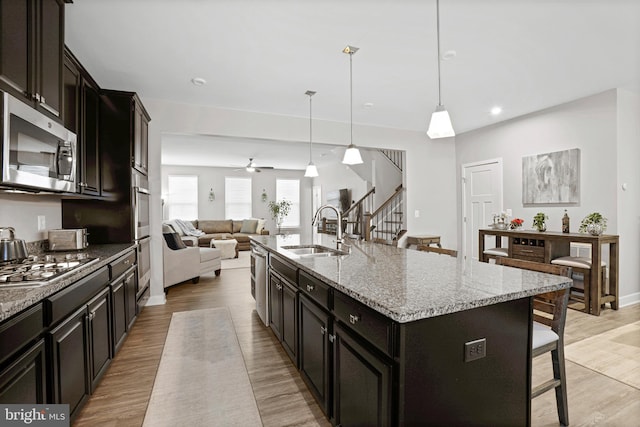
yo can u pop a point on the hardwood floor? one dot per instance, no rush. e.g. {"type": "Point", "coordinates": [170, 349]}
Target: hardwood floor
{"type": "Point", "coordinates": [282, 397]}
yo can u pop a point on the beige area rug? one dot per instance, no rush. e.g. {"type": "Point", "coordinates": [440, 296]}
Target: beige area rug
{"type": "Point", "coordinates": [202, 379]}
{"type": "Point", "coordinates": [243, 261]}
{"type": "Point", "coordinates": [613, 353]}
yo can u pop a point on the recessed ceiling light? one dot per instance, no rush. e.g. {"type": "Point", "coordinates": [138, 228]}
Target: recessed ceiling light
{"type": "Point", "coordinates": [198, 81]}
{"type": "Point", "coordinates": [496, 110]}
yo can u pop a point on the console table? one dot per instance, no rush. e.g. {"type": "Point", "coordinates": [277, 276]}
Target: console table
{"type": "Point", "coordinates": [423, 240]}
{"type": "Point", "coordinates": [546, 246]}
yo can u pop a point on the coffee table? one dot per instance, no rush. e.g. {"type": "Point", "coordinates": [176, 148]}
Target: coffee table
{"type": "Point", "coordinates": [228, 247]}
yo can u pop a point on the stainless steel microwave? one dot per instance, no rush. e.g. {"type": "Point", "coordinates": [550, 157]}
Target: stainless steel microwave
{"type": "Point", "coordinates": [37, 152]}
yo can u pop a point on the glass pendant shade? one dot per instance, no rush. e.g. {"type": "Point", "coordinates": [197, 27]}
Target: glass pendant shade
{"type": "Point", "coordinates": [311, 171]}
{"type": "Point", "coordinates": [352, 156]}
{"type": "Point", "coordinates": [440, 125]}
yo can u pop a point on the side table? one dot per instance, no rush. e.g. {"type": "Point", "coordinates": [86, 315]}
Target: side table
{"type": "Point", "coordinates": [423, 240]}
{"type": "Point", "coordinates": [228, 247]}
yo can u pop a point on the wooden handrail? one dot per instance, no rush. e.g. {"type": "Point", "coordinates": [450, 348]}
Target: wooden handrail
{"type": "Point", "coordinates": [399, 190]}
{"type": "Point", "coordinates": [353, 206]}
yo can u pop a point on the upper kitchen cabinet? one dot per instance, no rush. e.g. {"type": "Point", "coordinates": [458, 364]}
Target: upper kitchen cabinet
{"type": "Point", "coordinates": [81, 116]}
{"type": "Point", "coordinates": [141, 138]}
{"type": "Point", "coordinates": [31, 52]}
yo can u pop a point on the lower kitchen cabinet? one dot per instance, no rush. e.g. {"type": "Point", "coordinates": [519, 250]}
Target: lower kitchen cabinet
{"type": "Point", "coordinates": [122, 296]}
{"type": "Point", "coordinates": [362, 383]}
{"type": "Point", "coordinates": [99, 336]}
{"type": "Point", "coordinates": [25, 379]}
{"type": "Point", "coordinates": [69, 361]}
{"type": "Point", "coordinates": [130, 293]}
{"type": "Point", "coordinates": [283, 298]}
{"type": "Point", "coordinates": [275, 305]}
{"type": "Point", "coordinates": [314, 350]}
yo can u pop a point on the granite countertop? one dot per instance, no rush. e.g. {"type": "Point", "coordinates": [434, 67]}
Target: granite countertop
{"type": "Point", "coordinates": [407, 285]}
{"type": "Point", "coordinates": [13, 300]}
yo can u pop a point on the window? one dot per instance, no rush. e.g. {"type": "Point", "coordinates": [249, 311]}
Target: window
{"type": "Point", "coordinates": [237, 199]}
{"type": "Point", "coordinates": [289, 189]}
{"type": "Point", "coordinates": [182, 197]}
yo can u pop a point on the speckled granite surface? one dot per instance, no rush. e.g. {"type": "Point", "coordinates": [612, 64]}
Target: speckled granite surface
{"type": "Point", "coordinates": [14, 300]}
{"type": "Point", "coordinates": [407, 285]}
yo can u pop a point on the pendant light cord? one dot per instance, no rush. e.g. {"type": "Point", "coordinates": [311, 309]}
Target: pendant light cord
{"type": "Point", "coordinates": [351, 91]}
{"type": "Point", "coordinates": [438, 33]}
{"type": "Point", "coordinates": [310, 129]}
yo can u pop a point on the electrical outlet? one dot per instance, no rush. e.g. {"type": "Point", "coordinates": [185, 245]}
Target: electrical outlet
{"type": "Point", "coordinates": [416, 213]}
{"type": "Point", "coordinates": [475, 349]}
{"type": "Point", "coordinates": [509, 212]}
{"type": "Point", "coordinates": [42, 224]}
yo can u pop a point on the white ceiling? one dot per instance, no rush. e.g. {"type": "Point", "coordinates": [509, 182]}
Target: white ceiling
{"type": "Point", "coordinates": [262, 55]}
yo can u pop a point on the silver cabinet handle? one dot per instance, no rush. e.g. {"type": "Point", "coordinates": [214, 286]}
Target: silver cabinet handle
{"type": "Point", "coordinates": [354, 318]}
{"type": "Point", "coordinates": [323, 330]}
{"type": "Point", "coordinates": [310, 288]}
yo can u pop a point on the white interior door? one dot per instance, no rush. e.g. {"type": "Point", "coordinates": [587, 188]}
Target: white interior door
{"type": "Point", "coordinates": [482, 191]}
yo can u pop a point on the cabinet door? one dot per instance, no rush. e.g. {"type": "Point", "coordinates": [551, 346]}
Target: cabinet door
{"type": "Point", "coordinates": [314, 350]}
{"type": "Point", "coordinates": [130, 297]}
{"type": "Point", "coordinates": [289, 321]}
{"type": "Point", "coordinates": [140, 140]}
{"type": "Point", "coordinates": [90, 166]}
{"type": "Point", "coordinates": [119, 313]}
{"type": "Point", "coordinates": [361, 383]}
{"type": "Point", "coordinates": [15, 46]}
{"type": "Point", "coordinates": [69, 357]}
{"type": "Point", "coordinates": [100, 336]}
{"type": "Point", "coordinates": [71, 98]}
{"type": "Point", "coordinates": [275, 306]}
{"type": "Point", "coordinates": [24, 381]}
{"type": "Point", "coordinates": [50, 48]}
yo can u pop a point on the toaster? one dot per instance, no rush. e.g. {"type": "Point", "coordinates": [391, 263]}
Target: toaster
{"type": "Point", "coordinates": [68, 240]}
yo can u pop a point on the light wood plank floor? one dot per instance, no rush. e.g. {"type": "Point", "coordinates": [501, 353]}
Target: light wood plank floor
{"type": "Point", "coordinates": [282, 397]}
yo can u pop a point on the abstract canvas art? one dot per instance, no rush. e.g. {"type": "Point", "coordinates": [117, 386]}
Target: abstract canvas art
{"type": "Point", "coordinates": [551, 178]}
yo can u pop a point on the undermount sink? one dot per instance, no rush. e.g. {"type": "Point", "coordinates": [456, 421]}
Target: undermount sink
{"type": "Point", "coordinates": [313, 251]}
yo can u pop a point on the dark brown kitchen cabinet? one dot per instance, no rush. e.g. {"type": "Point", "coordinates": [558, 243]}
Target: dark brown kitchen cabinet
{"type": "Point", "coordinates": [119, 318]}
{"type": "Point", "coordinates": [99, 329]}
{"type": "Point", "coordinates": [81, 115]}
{"type": "Point", "coordinates": [31, 46]}
{"type": "Point", "coordinates": [24, 380]}
{"type": "Point", "coordinates": [141, 139]}
{"type": "Point", "coordinates": [314, 350]}
{"type": "Point", "coordinates": [283, 297]}
{"type": "Point", "coordinates": [69, 343]}
{"type": "Point", "coordinates": [290, 321]}
{"type": "Point", "coordinates": [362, 383]}
{"type": "Point", "coordinates": [275, 305]}
{"type": "Point", "coordinates": [130, 294]}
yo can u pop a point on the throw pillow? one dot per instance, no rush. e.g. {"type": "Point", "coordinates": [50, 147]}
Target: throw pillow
{"type": "Point", "coordinates": [261, 224]}
{"type": "Point", "coordinates": [249, 226]}
{"type": "Point", "coordinates": [174, 241]}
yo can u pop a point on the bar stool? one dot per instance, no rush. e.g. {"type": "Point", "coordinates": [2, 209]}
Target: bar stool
{"type": "Point", "coordinates": [582, 265]}
{"type": "Point", "coordinates": [494, 253]}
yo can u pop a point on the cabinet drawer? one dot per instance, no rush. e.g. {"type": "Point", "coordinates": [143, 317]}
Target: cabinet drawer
{"type": "Point", "coordinates": [530, 253]}
{"type": "Point", "coordinates": [122, 264]}
{"type": "Point", "coordinates": [283, 268]}
{"type": "Point", "coordinates": [19, 330]}
{"type": "Point", "coordinates": [315, 289]}
{"type": "Point", "coordinates": [371, 325]}
{"type": "Point", "coordinates": [64, 302]}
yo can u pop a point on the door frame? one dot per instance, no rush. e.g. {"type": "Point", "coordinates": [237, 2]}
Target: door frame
{"type": "Point", "coordinates": [463, 186]}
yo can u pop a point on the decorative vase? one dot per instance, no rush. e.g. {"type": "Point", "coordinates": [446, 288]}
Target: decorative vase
{"type": "Point", "coordinates": [542, 227]}
{"type": "Point", "coordinates": [279, 223]}
{"type": "Point", "coordinates": [594, 229]}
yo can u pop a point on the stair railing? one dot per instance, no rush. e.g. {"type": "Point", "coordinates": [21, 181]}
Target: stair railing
{"type": "Point", "coordinates": [394, 156]}
{"type": "Point", "coordinates": [353, 218]}
{"type": "Point", "coordinates": [386, 223]}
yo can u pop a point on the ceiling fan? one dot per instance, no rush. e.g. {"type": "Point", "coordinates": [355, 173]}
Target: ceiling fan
{"type": "Point", "coordinates": [251, 166]}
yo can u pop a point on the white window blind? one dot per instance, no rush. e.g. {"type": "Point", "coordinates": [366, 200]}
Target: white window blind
{"type": "Point", "coordinates": [182, 197]}
{"type": "Point", "coordinates": [289, 189]}
{"type": "Point", "coordinates": [237, 198]}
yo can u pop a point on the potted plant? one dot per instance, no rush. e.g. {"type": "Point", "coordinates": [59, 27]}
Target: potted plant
{"type": "Point", "coordinates": [594, 223]}
{"type": "Point", "coordinates": [279, 210]}
{"type": "Point", "coordinates": [516, 223]}
{"type": "Point", "coordinates": [539, 221]}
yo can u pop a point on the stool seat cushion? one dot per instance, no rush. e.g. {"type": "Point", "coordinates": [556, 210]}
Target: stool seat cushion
{"type": "Point", "coordinates": [496, 251]}
{"type": "Point", "coordinates": [542, 335]}
{"type": "Point", "coordinates": [575, 261]}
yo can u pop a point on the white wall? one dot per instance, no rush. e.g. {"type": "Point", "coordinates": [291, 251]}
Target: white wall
{"type": "Point", "coordinates": [21, 212]}
{"type": "Point", "coordinates": [215, 178]}
{"type": "Point", "coordinates": [431, 177]}
{"type": "Point", "coordinates": [590, 124]}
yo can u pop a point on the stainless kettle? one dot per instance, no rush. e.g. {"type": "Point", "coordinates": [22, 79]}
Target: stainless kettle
{"type": "Point", "coordinates": [12, 249]}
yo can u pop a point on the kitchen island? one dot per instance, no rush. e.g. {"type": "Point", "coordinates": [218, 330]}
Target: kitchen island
{"type": "Point", "coordinates": [389, 336]}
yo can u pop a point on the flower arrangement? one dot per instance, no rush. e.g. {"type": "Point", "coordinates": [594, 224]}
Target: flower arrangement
{"type": "Point", "coordinates": [516, 223]}
{"type": "Point", "coordinates": [539, 221]}
{"type": "Point", "coordinates": [594, 223]}
{"type": "Point", "coordinates": [279, 210]}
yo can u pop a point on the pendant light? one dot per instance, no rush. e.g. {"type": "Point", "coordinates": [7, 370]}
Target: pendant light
{"type": "Point", "coordinates": [440, 125]}
{"type": "Point", "coordinates": [352, 155]}
{"type": "Point", "coordinates": [311, 171]}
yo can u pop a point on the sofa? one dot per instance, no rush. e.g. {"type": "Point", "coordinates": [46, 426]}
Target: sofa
{"type": "Point", "coordinates": [240, 230]}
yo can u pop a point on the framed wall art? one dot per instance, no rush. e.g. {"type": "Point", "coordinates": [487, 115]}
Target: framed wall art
{"type": "Point", "coordinates": [551, 178]}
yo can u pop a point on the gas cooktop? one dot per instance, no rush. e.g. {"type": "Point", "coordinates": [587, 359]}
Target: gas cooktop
{"type": "Point", "coordinates": [40, 270]}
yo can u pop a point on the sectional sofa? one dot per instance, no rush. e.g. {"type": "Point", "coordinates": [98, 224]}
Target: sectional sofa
{"type": "Point", "coordinates": [225, 229]}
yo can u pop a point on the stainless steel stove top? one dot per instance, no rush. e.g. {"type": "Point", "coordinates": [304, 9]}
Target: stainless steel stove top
{"type": "Point", "coordinates": [40, 270]}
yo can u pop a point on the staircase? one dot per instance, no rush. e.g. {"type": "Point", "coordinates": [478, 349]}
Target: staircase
{"type": "Point", "coordinates": [387, 222]}
{"type": "Point", "coordinates": [354, 218]}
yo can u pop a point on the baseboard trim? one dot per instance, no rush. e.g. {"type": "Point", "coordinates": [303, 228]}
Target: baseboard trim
{"type": "Point", "coordinates": [630, 299]}
{"type": "Point", "coordinates": [157, 300]}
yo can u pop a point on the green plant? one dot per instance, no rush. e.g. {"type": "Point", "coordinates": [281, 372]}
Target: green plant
{"type": "Point", "coordinates": [279, 210]}
{"type": "Point", "coordinates": [594, 218]}
{"type": "Point", "coordinates": [539, 221]}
